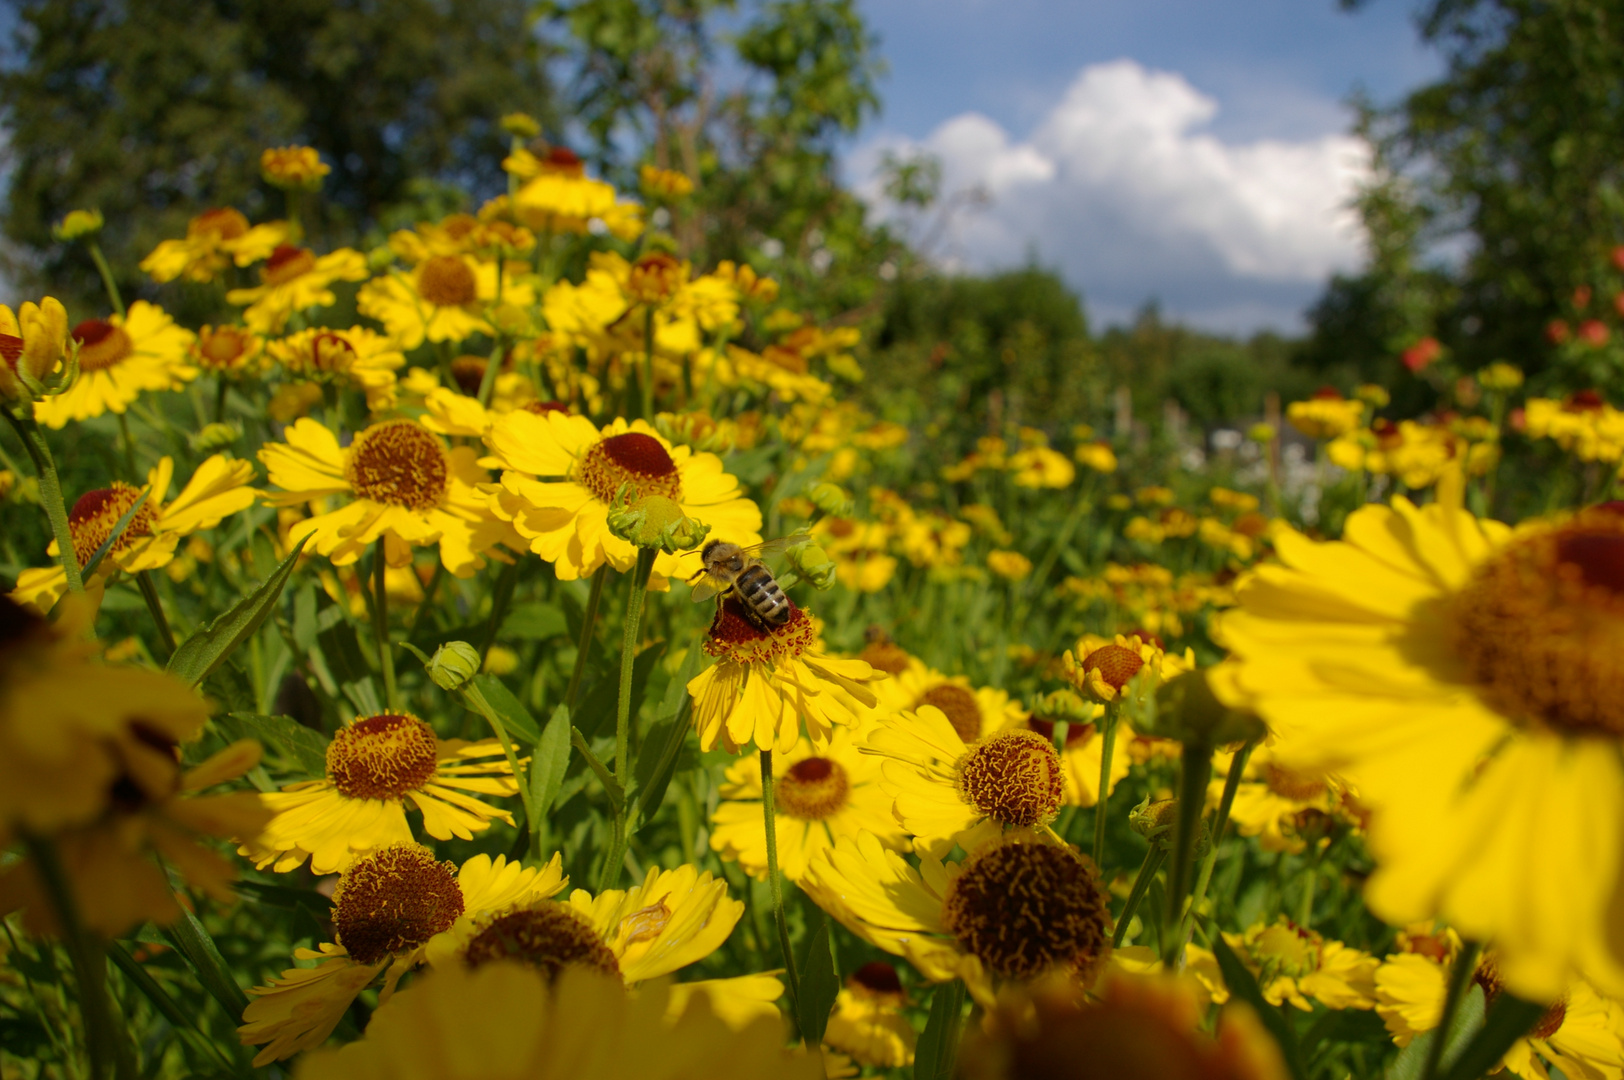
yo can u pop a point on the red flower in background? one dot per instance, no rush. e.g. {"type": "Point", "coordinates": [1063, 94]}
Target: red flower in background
{"type": "Point", "coordinates": [1593, 332]}
{"type": "Point", "coordinates": [1418, 356]}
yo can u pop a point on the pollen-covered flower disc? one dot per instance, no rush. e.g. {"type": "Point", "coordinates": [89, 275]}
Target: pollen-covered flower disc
{"type": "Point", "coordinates": [376, 766]}
{"type": "Point", "coordinates": [946, 792]}
{"type": "Point", "coordinates": [396, 482]}
{"type": "Point", "coordinates": [765, 682]}
{"type": "Point", "coordinates": [1470, 684]}
{"type": "Point", "coordinates": [562, 475]}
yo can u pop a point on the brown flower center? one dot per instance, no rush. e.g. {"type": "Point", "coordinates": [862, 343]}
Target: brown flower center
{"type": "Point", "coordinates": [447, 281]}
{"type": "Point", "coordinates": [637, 461]}
{"type": "Point", "coordinates": [1013, 777]}
{"type": "Point", "coordinates": [655, 277]}
{"type": "Point", "coordinates": [542, 408]}
{"type": "Point", "coordinates": [1115, 663]}
{"type": "Point", "coordinates": [398, 463]}
{"type": "Point", "coordinates": [1075, 732]}
{"type": "Point", "coordinates": [1025, 907]}
{"type": "Point", "coordinates": [468, 372]}
{"type": "Point", "coordinates": [735, 635]}
{"type": "Point", "coordinates": [1300, 787]}
{"type": "Point", "coordinates": [876, 977]}
{"type": "Point", "coordinates": [1540, 627]}
{"type": "Point", "coordinates": [287, 263]}
{"type": "Point", "coordinates": [889, 657]}
{"type": "Point", "coordinates": [331, 353]}
{"type": "Point", "coordinates": [94, 514]}
{"type": "Point", "coordinates": [222, 348]}
{"type": "Point", "coordinates": [548, 937]}
{"type": "Point", "coordinates": [959, 705]}
{"type": "Point", "coordinates": [382, 757]}
{"type": "Point", "coordinates": [1550, 1022]}
{"type": "Point", "coordinates": [223, 222]}
{"type": "Point", "coordinates": [812, 789]}
{"type": "Point", "coordinates": [101, 344]}
{"type": "Point", "coordinates": [393, 900]}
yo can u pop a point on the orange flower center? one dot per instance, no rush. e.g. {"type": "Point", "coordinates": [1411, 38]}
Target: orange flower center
{"type": "Point", "coordinates": [735, 636]}
{"type": "Point", "coordinates": [654, 278]}
{"type": "Point", "coordinates": [399, 464]}
{"type": "Point", "coordinates": [1013, 777]}
{"type": "Point", "coordinates": [101, 344]}
{"type": "Point", "coordinates": [812, 789]}
{"type": "Point", "coordinates": [1075, 732]}
{"type": "Point", "coordinates": [468, 372]}
{"type": "Point", "coordinates": [1299, 787]}
{"type": "Point", "coordinates": [958, 705]}
{"type": "Point", "coordinates": [222, 348]}
{"type": "Point", "coordinates": [287, 263]}
{"type": "Point", "coordinates": [382, 757]}
{"type": "Point", "coordinates": [223, 222]}
{"type": "Point", "coordinates": [542, 408]}
{"type": "Point", "coordinates": [636, 461]}
{"type": "Point", "coordinates": [878, 979]}
{"type": "Point", "coordinates": [1116, 664]}
{"type": "Point", "coordinates": [94, 514]}
{"type": "Point", "coordinates": [447, 281]}
{"type": "Point", "coordinates": [1540, 627]}
{"type": "Point", "coordinates": [889, 657]}
{"type": "Point", "coordinates": [11, 349]}
{"type": "Point", "coordinates": [330, 352]}
{"type": "Point", "coordinates": [393, 900]}
{"type": "Point", "coordinates": [549, 937]}
{"type": "Point", "coordinates": [1027, 907]}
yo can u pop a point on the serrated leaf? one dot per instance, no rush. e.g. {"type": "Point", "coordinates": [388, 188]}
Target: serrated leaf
{"type": "Point", "coordinates": [207, 649]}
{"type": "Point", "coordinates": [293, 739]}
{"type": "Point", "coordinates": [819, 986]}
{"type": "Point", "coordinates": [1243, 985]}
{"type": "Point", "coordinates": [521, 726]}
{"type": "Point", "coordinates": [939, 1043]}
{"type": "Point", "coordinates": [549, 761]}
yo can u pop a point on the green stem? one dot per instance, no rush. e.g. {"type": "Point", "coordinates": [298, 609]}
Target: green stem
{"type": "Point", "coordinates": [1220, 821]}
{"type": "Point", "coordinates": [487, 381]}
{"type": "Point", "coordinates": [183, 1022]}
{"type": "Point", "coordinates": [108, 1046]}
{"type": "Point", "coordinates": [775, 883]}
{"type": "Point", "coordinates": [1305, 911]}
{"type": "Point", "coordinates": [1141, 885]}
{"type": "Point", "coordinates": [380, 625]}
{"type": "Point", "coordinates": [107, 277]}
{"type": "Point", "coordinates": [1107, 751]}
{"type": "Point", "coordinates": [220, 399]}
{"type": "Point", "coordinates": [501, 597]}
{"type": "Point", "coordinates": [128, 442]}
{"type": "Point", "coordinates": [628, 654]}
{"type": "Point", "coordinates": [589, 622]}
{"type": "Point", "coordinates": [427, 603]}
{"type": "Point", "coordinates": [1460, 979]}
{"type": "Point", "coordinates": [149, 593]}
{"type": "Point", "coordinates": [50, 494]}
{"type": "Point", "coordinates": [648, 365]}
{"type": "Point", "coordinates": [1195, 769]}
{"type": "Point", "coordinates": [474, 697]}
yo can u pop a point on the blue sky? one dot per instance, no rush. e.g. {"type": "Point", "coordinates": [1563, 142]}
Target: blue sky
{"type": "Point", "coordinates": [1190, 150]}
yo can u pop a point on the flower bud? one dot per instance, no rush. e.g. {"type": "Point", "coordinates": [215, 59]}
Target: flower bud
{"type": "Point", "coordinates": [1185, 708]}
{"type": "Point", "coordinates": [1500, 377]}
{"type": "Point", "coordinates": [215, 437]}
{"type": "Point", "coordinates": [831, 499]}
{"type": "Point", "coordinates": [1155, 821]}
{"type": "Point", "coordinates": [1065, 705]}
{"type": "Point", "coordinates": [77, 225]}
{"type": "Point", "coordinates": [655, 521]}
{"type": "Point", "coordinates": [520, 125]}
{"type": "Point", "coordinates": [453, 665]}
{"type": "Point", "coordinates": [1261, 433]}
{"type": "Point", "coordinates": [813, 564]}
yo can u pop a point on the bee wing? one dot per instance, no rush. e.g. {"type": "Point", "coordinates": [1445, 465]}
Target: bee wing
{"type": "Point", "coordinates": [779, 546]}
{"type": "Point", "coordinates": [706, 588]}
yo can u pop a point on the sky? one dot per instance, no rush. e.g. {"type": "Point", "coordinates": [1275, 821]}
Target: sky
{"type": "Point", "coordinates": [1191, 152]}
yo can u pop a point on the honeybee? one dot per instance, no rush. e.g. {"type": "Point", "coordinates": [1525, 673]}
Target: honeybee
{"type": "Point", "coordinates": [728, 569]}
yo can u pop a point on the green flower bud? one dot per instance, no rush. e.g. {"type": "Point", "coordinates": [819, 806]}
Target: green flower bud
{"type": "Point", "coordinates": [453, 665]}
{"type": "Point", "coordinates": [813, 565]}
{"type": "Point", "coordinates": [657, 522]}
{"type": "Point", "coordinates": [521, 125]}
{"type": "Point", "coordinates": [380, 258]}
{"type": "Point", "coordinates": [215, 437]}
{"type": "Point", "coordinates": [1261, 433]}
{"type": "Point", "coordinates": [1067, 705]}
{"type": "Point", "coordinates": [78, 225]}
{"type": "Point", "coordinates": [831, 499]}
{"type": "Point", "coordinates": [1186, 709]}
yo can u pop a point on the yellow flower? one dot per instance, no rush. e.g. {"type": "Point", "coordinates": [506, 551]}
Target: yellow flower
{"type": "Point", "coordinates": [1293, 964]}
{"type": "Point", "coordinates": [78, 224]}
{"type": "Point", "coordinates": [217, 490]}
{"type": "Point", "coordinates": [1466, 682]}
{"type": "Point", "coordinates": [356, 358]}
{"type": "Point", "coordinates": [944, 788]}
{"type": "Point", "coordinates": [213, 238]}
{"type": "Point", "coordinates": [375, 765]}
{"type": "Point", "coordinates": [294, 279]}
{"type": "Point", "coordinates": [1582, 1033]}
{"type": "Point", "coordinates": [1041, 467]}
{"type": "Point", "coordinates": [504, 1020]}
{"type": "Point", "coordinates": [1097, 456]}
{"type": "Point", "coordinates": [819, 797]}
{"type": "Point", "coordinates": [1326, 415]}
{"type": "Point", "coordinates": [293, 167]}
{"type": "Point", "coordinates": [868, 1023]}
{"type": "Point", "coordinates": [858, 547]}
{"type": "Point", "coordinates": [766, 681]}
{"type": "Point", "coordinates": [1135, 1028]}
{"type": "Point", "coordinates": [396, 482]}
{"type": "Point", "coordinates": [119, 357]}
{"type": "Point", "coordinates": [388, 907]}
{"type": "Point", "coordinates": [973, 711]}
{"type": "Point", "coordinates": [71, 726]}
{"type": "Point", "coordinates": [1583, 424]}
{"type": "Point", "coordinates": [1278, 803]}
{"type": "Point", "coordinates": [1107, 667]}
{"type": "Point", "coordinates": [153, 809]}
{"type": "Point", "coordinates": [1500, 377]}
{"type": "Point", "coordinates": [661, 183]}
{"type": "Point", "coordinates": [31, 346]}
{"type": "Point", "coordinates": [444, 298]}
{"type": "Point", "coordinates": [1011, 565]}
{"type": "Point", "coordinates": [1017, 908]}
{"type": "Point", "coordinates": [565, 516]}
{"type": "Point", "coordinates": [226, 350]}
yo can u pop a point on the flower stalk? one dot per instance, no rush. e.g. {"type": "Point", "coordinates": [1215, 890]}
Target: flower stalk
{"type": "Point", "coordinates": [776, 883]}
{"type": "Point", "coordinates": [1107, 751]}
{"type": "Point", "coordinates": [50, 494]}
{"type": "Point", "coordinates": [380, 625]}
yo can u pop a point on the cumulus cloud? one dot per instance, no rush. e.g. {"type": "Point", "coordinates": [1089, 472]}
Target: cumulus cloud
{"type": "Point", "coordinates": [1122, 189]}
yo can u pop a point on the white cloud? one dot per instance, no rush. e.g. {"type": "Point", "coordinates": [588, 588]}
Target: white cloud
{"type": "Point", "coordinates": [1120, 187]}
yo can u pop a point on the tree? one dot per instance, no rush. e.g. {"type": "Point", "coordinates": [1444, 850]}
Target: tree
{"type": "Point", "coordinates": [152, 110]}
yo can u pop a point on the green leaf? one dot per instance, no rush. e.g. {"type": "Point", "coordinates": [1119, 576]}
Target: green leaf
{"type": "Point", "coordinates": [521, 726]}
{"type": "Point", "coordinates": [207, 649]}
{"type": "Point", "coordinates": [308, 748]}
{"type": "Point", "coordinates": [657, 759]}
{"type": "Point", "coordinates": [118, 530]}
{"type": "Point", "coordinates": [1468, 1022]}
{"type": "Point", "coordinates": [1504, 1022]}
{"type": "Point", "coordinates": [193, 942]}
{"type": "Point", "coordinates": [549, 761]}
{"type": "Point", "coordinates": [819, 985]}
{"type": "Point", "coordinates": [1243, 984]}
{"type": "Point", "coordinates": [600, 704]}
{"type": "Point", "coordinates": [938, 1046]}
{"type": "Point", "coordinates": [535, 622]}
